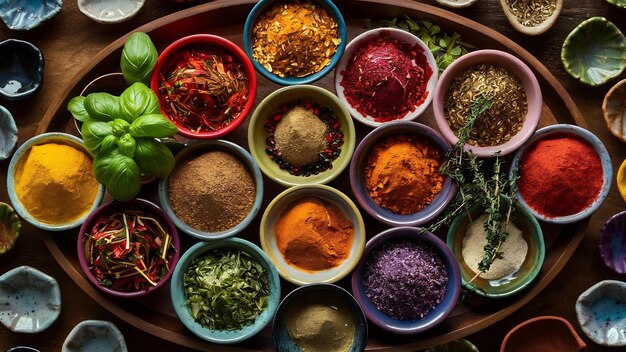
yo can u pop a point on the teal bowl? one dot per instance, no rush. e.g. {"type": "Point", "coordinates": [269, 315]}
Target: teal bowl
{"type": "Point", "coordinates": [594, 52]}
{"type": "Point", "coordinates": [511, 284]}
{"type": "Point", "coordinates": [224, 336]}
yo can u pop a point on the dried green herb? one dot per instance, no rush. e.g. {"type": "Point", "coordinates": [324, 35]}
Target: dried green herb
{"type": "Point", "coordinates": [226, 289]}
{"type": "Point", "coordinates": [445, 47]}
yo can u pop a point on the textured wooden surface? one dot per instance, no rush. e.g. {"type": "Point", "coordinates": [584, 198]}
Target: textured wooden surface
{"type": "Point", "coordinates": [70, 39]}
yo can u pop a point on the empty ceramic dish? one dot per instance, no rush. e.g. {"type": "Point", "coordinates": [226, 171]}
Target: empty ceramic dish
{"type": "Point", "coordinates": [30, 301]}
{"type": "Point", "coordinates": [8, 133]}
{"type": "Point", "coordinates": [10, 227]}
{"type": "Point", "coordinates": [618, 3]}
{"type": "Point", "coordinates": [612, 243]}
{"type": "Point", "coordinates": [614, 110]}
{"type": "Point", "coordinates": [594, 52]}
{"type": "Point", "coordinates": [110, 11]}
{"type": "Point", "coordinates": [21, 68]}
{"type": "Point", "coordinates": [94, 335]}
{"type": "Point", "coordinates": [531, 17]}
{"type": "Point", "coordinates": [22, 349]}
{"type": "Point", "coordinates": [545, 333]}
{"type": "Point", "coordinates": [454, 346]}
{"type": "Point", "coordinates": [27, 14]}
{"type": "Point", "coordinates": [601, 313]}
{"type": "Point", "coordinates": [456, 4]}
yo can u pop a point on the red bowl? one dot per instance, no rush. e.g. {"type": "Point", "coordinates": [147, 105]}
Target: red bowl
{"type": "Point", "coordinates": [208, 40]}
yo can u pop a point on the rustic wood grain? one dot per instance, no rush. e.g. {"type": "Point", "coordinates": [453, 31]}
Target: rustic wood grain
{"type": "Point", "coordinates": [70, 39]}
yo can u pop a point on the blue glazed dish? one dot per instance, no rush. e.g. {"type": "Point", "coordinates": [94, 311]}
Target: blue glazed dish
{"type": "Point", "coordinates": [94, 335]}
{"type": "Point", "coordinates": [22, 15]}
{"type": "Point", "coordinates": [224, 336]}
{"type": "Point", "coordinates": [8, 133]}
{"type": "Point", "coordinates": [251, 20]}
{"type": "Point", "coordinates": [30, 300]}
{"type": "Point", "coordinates": [601, 313]}
{"type": "Point", "coordinates": [433, 317]}
{"type": "Point", "coordinates": [612, 244]}
{"type": "Point", "coordinates": [324, 294]}
{"type": "Point", "coordinates": [21, 69]}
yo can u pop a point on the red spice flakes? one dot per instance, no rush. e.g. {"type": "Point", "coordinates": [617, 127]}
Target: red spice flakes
{"type": "Point", "coordinates": [386, 78]}
{"type": "Point", "coordinates": [203, 89]}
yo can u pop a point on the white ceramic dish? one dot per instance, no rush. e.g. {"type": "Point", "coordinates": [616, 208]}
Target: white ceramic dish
{"type": "Point", "coordinates": [95, 335]}
{"type": "Point", "coordinates": [110, 11]}
{"type": "Point", "coordinates": [601, 313]}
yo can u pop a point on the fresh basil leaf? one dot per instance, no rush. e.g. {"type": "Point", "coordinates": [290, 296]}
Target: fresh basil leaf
{"type": "Point", "coordinates": [102, 106]}
{"type": "Point", "coordinates": [153, 158]}
{"type": "Point", "coordinates": [108, 143]}
{"type": "Point", "coordinates": [138, 100]}
{"type": "Point", "coordinates": [119, 173]}
{"type": "Point", "coordinates": [76, 107]}
{"type": "Point", "coordinates": [139, 57]}
{"type": "Point", "coordinates": [120, 127]}
{"type": "Point", "coordinates": [94, 132]}
{"type": "Point", "coordinates": [153, 125]}
{"type": "Point", "coordinates": [126, 145]}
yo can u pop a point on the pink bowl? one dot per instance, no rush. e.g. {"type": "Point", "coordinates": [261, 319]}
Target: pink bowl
{"type": "Point", "coordinates": [513, 65]}
{"type": "Point", "coordinates": [207, 40]}
{"type": "Point", "coordinates": [543, 333]}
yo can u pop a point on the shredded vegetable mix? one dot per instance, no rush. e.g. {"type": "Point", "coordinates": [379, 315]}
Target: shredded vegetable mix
{"type": "Point", "coordinates": [226, 289]}
{"type": "Point", "coordinates": [128, 251]}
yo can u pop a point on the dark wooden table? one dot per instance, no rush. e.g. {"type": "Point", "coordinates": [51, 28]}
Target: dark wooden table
{"type": "Point", "coordinates": [70, 39]}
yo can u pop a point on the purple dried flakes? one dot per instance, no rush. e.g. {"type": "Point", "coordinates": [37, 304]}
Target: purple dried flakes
{"type": "Point", "coordinates": [405, 279]}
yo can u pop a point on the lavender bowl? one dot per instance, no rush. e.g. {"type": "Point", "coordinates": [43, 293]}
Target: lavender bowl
{"type": "Point", "coordinates": [433, 317]}
{"type": "Point", "coordinates": [136, 205]}
{"type": "Point", "coordinates": [612, 243]}
{"type": "Point", "coordinates": [357, 175]}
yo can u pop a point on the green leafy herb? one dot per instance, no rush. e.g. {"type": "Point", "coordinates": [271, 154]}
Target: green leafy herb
{"type": "Point", "coordinates": [226, 289]}
{"type": "Point", "coordinates": [139, 57]}
{"type": "Point", "coordinates": [153, 158]}
{"type": "Point", "coordinates": [119, 173]}
{"type": "Point", "coordinates": [138, 100]}
{"type": "Point", "coordinates": [445, 47]}
{"type": "Point", "coordinates": [153, 125]}
{"type": "Point", "coordinates": [76, 106]}
{"type": "Point", "coordinates": [101, 106]}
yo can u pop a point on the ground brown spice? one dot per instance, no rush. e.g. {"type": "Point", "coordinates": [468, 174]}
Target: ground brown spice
{"type": "Point", "coordinates": [213, 191]}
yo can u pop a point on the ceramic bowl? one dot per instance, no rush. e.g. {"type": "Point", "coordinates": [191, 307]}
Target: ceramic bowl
{"type": "Point", "coordinates": [454, 346]}
{"type": "Point", "coordinates": [435, 316]}
{"type": "Point", "coordinates": [612, 244]}
{"type": "Point", "coordinates": [30, 301]}
{"type": "Point", "coordinates": [594, 52]}
{"type": "Point", "coordinates": [282, 203]}
{"type": "Point", "coordinates": [206, 41]}
{"type": "Point", "coordinates": [264, 5]}
{"type": "Point", "coordinates": [614, 109]}
{"type": "Point", "coordinates": [322, 295]}
{"type": "Point", "coordinates": [593, 141]}
{"type": "Point", "coordinates": [224, 336]}
{"type": "Point", "coordinates": [115, 11]}
{"type": "Point", "coordinates": [112, 207]}
{"type": "Point", "coordinates": [22, 349]}
{"type": "Point", "coordinates": [513, 65]}
{"type": "Point", "coordinates": [456, 4]}
{"type": "Point", "coordinates": [229, 147]}
{"type": "Point", "coordinates": [94, 335]}
{"type": "Point", "coordinates": [545, 333]}
{"type": "Point", "coordinates": [21, 68]}
{"type": "Point", "coordinates": [618, 3]}
{"type": "Point", "coordinates": [8, 133]}
{"type": "Point", "coordinates": [601, 313]}
{"type": "Point", "coordinates": [23, 150]}
{"type": "Point", "coordinates": [511, 284]}
{"type": "Point", "coordinates": [22, 15]}
{"type": "Point", "coordinates": [531, 30]}
{"type": "Point", "coordinates": [359, 162]}
{"type": "Point", "coordinates": [112, 83]}
{"type": "Point", "coordinates": [10, 227]}
{"type": "Point", "coordinates": [362, 40]}
{"type": "Point", "coordinates": [268, 108]}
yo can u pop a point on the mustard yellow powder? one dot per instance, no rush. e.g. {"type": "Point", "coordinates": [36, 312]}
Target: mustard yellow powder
{"type": "Point", "coordinates": [55, 183]}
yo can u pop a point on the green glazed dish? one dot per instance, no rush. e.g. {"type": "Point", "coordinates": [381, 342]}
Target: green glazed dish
{"type": "Point", "coordinates": [10, 227]}
{"type": "Point", "coordinates": [454, 346]}
{"type": "Point", "coordinates": [618, 3]}
{"type": "Point", "coordinates": [595, 51]}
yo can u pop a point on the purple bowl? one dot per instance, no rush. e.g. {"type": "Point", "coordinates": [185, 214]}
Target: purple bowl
{"type": "Point", "coordinates": [114, 206]}
{"type": "Point", "coordinates": [612, 243]}
{"type": "Point", "coordinates": [435, 316]}
{"type": "Point", "coordinates": [513, 65]}
{"type": "Point", "coordinates": [357, 177]}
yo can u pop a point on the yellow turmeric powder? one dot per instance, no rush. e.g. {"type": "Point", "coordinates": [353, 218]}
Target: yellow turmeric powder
{"type": "Point", "coordinates": [314, 235]}
{"type": "Point", "coordinates": [402, 174]}
{"type": "Point", "coordinates": [55, 183]}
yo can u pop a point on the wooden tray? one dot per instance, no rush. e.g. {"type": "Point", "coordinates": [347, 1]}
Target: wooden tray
{"type": "Point", "coordinates": [226, 17]}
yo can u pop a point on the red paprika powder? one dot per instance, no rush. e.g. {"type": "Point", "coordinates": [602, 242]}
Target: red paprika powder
{"type": "Point", "coordinates": [560, 176]}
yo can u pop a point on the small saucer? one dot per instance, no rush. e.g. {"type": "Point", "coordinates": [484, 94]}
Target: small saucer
{"type": "Point", "coordinates": [21, 68]}
{"type": "Point", "coordinates": [601, 313]}
{"type": "Point", "coordinates": [27, 14]}
{"type": "Point", "coordinates": [110, 11]}
{"type": "Point", "coordinates": [8, 133]}
{"type": "Point", "coordinates": [94, 335]}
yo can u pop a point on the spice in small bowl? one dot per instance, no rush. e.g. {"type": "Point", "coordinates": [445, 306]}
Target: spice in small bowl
{"type": "Point", "coordinates": [206, 85]}
{"type": "Point", "coordinates": [386, 74]}
{"type": "Point", "coordinates": [295, 41]}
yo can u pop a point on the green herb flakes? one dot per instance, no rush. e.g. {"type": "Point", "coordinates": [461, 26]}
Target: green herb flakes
{"type": "Point", "coordinates": [226, 289]}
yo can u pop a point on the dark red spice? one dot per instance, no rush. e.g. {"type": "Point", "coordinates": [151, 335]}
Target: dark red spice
{"type": "Point", "coordinates": [560, 176]}
{"type": "Point", "coordinates": [203, 89]}
{"type": "Point", "coordinates": [386, 78]}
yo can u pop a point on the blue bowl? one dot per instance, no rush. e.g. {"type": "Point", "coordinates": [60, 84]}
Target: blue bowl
{"type": "Point", "coordinates": [231, 148]}
{"type": "Point", "coordinates": [432, 318]}
{"type": "Point", "coordinates": [357, 177]}
{"type": "Point", "coordinates": [259, 8]}
{"type": "Point", "coordinates": [284, 343]}
{"type": "Point", "coordinates": [21, 69]}
{"type": "Point", "coordinates": [224, 336]}
{"type": "Point", "coordinates": [22, 15]}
